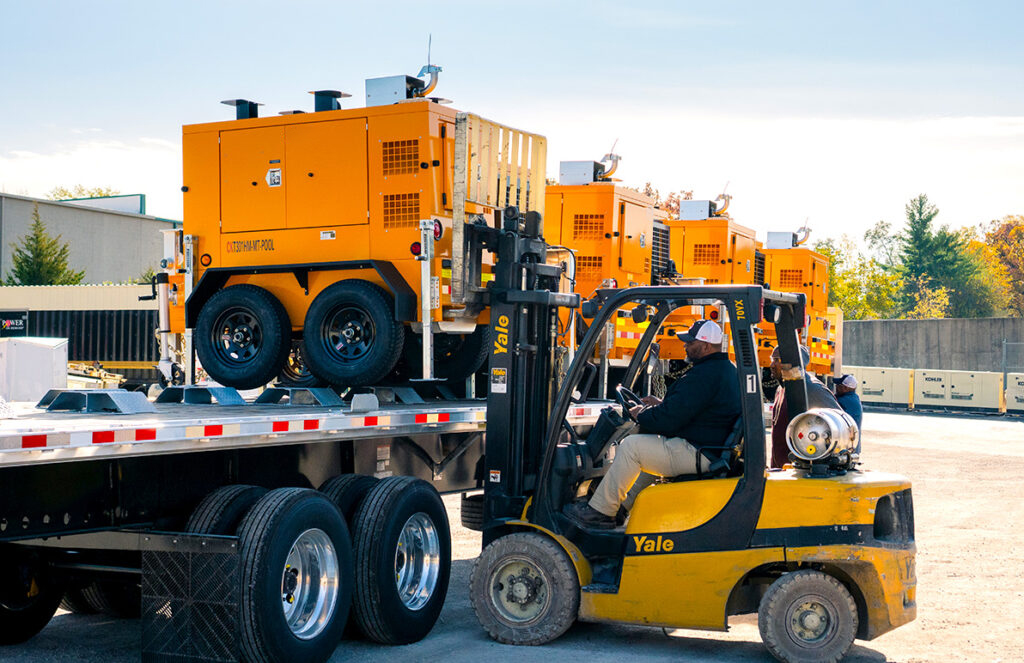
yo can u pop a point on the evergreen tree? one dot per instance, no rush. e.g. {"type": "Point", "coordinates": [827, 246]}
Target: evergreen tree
{"type": "Point", "coordinates": [40, 259]}
{"type": "Point", "coordinates": [917, 242]}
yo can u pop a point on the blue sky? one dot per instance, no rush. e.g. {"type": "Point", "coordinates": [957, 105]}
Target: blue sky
{"type": "Point", "coordinates": [834, 111]}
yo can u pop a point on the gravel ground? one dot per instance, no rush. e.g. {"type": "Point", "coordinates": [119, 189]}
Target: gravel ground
{"type": "Point", "coordinates": [966, 473]}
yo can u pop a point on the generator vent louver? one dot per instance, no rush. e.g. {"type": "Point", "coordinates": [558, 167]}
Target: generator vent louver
{"type": "Point", "coordinates": [706, 254]}
{"type": "Point", "coordinates": [758, 268]}
{"type": "Point", "coordinates": [400, 157]}
{"type": "Point", "coordinates": [791, 278]}
{"type": "Point", "coordinates": [659, 248]}
{"type": "Point", "coordinates": [401, 210]}
{"type": "Point", "coordinates": [589, 267]}
{"type": "Point", "coordinates": [587, 226]}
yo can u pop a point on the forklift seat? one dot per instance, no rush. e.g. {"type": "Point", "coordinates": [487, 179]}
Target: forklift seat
{"type": "Point", "coordinates": [721, 460]}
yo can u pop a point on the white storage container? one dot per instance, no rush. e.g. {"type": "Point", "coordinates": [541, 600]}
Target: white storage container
{"type": "Point", "coordinates": [31, 365]}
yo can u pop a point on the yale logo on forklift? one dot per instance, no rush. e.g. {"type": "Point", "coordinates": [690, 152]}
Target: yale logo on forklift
{"type": "Point", "coordinates": [501, 338]}
{"type": "Point", "coordinates": [639, 544]}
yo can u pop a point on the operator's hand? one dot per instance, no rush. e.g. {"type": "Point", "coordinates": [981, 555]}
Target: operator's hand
{"type": "Point", "coordinates": [650, 400]}
{"type": "Point", "coordinates": [636, 410]}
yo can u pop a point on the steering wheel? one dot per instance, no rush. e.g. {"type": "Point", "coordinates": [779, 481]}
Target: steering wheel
{"type": "Point", "coordinates": [628, 400]}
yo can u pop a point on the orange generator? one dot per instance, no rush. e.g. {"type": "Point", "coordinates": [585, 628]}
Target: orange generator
{"type": "Point", "coordinates": [611, 231]}
{"type": "Point", "coordinates": [333, 240]}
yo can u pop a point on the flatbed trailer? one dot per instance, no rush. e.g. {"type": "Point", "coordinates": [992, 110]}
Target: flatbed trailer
{"type": "Point", "coordinates": [100, 509]}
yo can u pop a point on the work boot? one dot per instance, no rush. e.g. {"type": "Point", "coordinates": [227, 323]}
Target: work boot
{"type": "Point", "coordinates": [583, 514]}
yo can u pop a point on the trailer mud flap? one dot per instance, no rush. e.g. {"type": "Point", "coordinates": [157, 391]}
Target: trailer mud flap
{"type": "Point", "coordinates": [190, 589]}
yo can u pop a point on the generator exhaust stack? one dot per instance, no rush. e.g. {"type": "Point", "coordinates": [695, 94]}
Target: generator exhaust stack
{"type": "Point", "coordinates": [327, 100]}
{"type": "Point", "coordinates": [244, 109]}
{"type": "Point", "coordinates": [394, 89]}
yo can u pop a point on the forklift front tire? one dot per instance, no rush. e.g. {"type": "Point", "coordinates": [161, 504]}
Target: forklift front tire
{"type": "Point", "coordinates": [807, 617]}
{"type": "Point", "coordinates": [524, 589]}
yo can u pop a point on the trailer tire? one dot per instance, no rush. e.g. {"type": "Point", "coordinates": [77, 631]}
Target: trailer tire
{"type": "Point", "coordinates": [295, 372]}
{"type": "Point", "coordinates": [242, 336]}
{"type": "Point", "coordinates": [542, 573]}
{"type": "Point", "coordinates": [115, 598]}
{"type": "Point", "coordinates": [399, 594]}
{"type": "Point", "coordinates": [472, 512]}
{"type": "Point", "coordinates": [222, 511]}
{"type": "Point", "coordinates": [347, 492]}
{"type": "Point", "coordinates": [74, 602]}
{"type": "Point", "coordinates": [456, 356]}
{"type": "Point", "coordinates": [807, 617]}
{"type": "Point", "coordinates": [293, 540]}
{"type": "Point", "coordinates": [350, 334]}
{"type": "Point", "coordinates": [29, 595]}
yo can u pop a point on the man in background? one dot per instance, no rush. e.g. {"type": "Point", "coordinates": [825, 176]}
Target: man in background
{"type": "Point", "coordinates": [846, 394]}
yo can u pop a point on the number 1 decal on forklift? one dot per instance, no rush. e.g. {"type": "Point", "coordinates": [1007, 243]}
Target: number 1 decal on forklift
{"type": "Point", "coordinates": [751, 384]}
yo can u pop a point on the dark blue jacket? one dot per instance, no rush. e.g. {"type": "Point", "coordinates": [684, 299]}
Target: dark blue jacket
{"type": "Point", "coordinates": [850, 402]}
{"type": "Point", "coordinates": [701, 406]}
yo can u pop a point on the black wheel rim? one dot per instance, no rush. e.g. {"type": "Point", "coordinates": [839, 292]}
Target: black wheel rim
{"type": "Point", "coordinates": [295, 366]}
{"type": "Point", "coordinates": [348, 333]}
{"type": "Point", "coordinates": [237, 336]}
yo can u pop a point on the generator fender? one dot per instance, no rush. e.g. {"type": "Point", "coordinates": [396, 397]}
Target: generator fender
{"type": "Point", "coordinates": [215, 278]}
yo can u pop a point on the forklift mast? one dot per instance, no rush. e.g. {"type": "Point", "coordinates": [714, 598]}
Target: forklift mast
{"type": "Point", "coordinates": [524, 299]}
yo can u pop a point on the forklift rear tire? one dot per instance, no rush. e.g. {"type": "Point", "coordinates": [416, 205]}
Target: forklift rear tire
{"type": "Point", "coordinates": [242, 336]}
{"type": "Point", "coordinates": [222, 511]}
{"type": "Point", "coordinates": [296, 578]}
{"type": "Point", "coordinates": [347, 492]}
{"type": "Point", "coordinates": [29, 595]}
{"type": "Point", "coordinates": [403, 560]}
{"type": "Point", "coordinates": [350, 334]}
{"type": "Point", "coordinates": [524, 589]}
{"type": "Point", "coordinates": [117, 598]}
{"type": "Point", "coordinates": [807, 617]}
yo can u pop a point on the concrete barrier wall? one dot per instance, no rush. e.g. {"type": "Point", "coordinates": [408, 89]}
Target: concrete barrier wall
{"type": "Point", "coordinates": [973, 344]}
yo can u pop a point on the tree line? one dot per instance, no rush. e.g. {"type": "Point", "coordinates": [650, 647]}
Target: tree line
{"type": "Point", "coordinates": [928, 271]}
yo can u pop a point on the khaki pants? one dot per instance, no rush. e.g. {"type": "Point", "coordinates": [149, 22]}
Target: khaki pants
{"type": "Point", "coordinates": [654, 454]}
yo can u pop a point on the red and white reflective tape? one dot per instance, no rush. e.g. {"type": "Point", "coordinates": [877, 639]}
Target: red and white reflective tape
{"type": "Point", "coordinates": [174, 431]}
{"type": "Point", "coordinates": [631, 335]}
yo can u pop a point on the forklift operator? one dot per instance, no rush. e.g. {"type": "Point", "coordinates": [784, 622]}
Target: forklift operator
{"type": "Point", "coordinates": [699, 410]}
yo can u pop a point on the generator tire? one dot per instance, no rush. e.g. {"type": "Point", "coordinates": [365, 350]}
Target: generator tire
{"type": "Point", "coordinates": [296, 577]}
{"type": "Point", "coordinates": [472, 512]}
{"type": "Point", "coordinates": [807, 617]}
{"type": "Point", "coordinates": [242, 336]}
{"type": "Point", "coordinates": [29, 595]}
{"type": "Point", "coordinates": [347, 492]}
{"type": "Point", "coordinates": [541, 601]}
{"type": "Point", "coordinates": [350, 334]}
{"type": "Point", "coordinates": [222, 511]}
{"type": "Point", "coordinates": [75, 603]}
{"type": "Point", "coordinates": [116, 598]}
{"type": "Point", "coordinates": [295, 372]}
{"type": "Point", "coordinates": [403, 560]}
{"type": "Point", "coordinates": [456, 356]}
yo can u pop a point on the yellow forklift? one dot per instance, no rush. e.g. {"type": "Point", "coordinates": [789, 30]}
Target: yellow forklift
{"type": "Point", "coordinates": [822, 551]}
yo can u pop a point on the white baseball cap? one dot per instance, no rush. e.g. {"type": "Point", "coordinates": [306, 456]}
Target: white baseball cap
{"type": "Point", "coordinates": [849, 381]}
{"type": "Point", "coordinates": [703, 330]}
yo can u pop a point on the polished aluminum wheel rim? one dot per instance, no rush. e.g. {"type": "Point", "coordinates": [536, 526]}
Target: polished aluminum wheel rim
{"type": "Point", "coordinates": [417, 561]}
{"type": "Point", "coordinates": [309, 584]}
